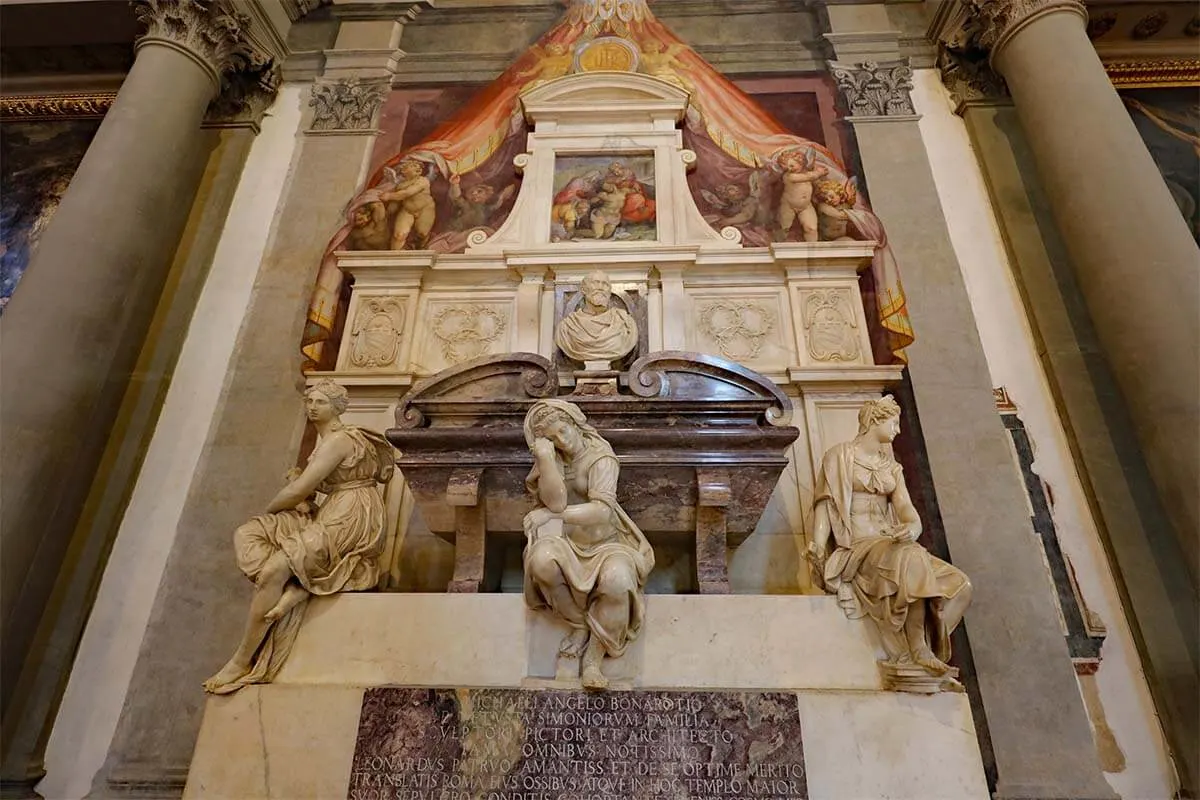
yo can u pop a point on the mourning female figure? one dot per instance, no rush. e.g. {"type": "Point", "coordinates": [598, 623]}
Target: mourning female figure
{"type": "Point", "coordinates": [296, 549]}
{"type": "Point", "coordinates": [877, 568]}
{"type": "Point", "coordinates": [585, 559]}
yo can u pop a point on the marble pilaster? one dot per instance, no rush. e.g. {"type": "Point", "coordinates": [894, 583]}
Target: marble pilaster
{"type": "Point", "coordinates": [1039, 730]}
{"type": "Point", "coordinates": [70, 341]}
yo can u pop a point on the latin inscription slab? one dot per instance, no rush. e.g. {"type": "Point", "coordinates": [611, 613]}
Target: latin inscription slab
{"type": "Point", "coordinates": [502, 744]}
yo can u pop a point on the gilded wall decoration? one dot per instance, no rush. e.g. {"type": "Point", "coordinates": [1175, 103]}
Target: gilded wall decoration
{"type": "Point", "coordinates": [738, 327]}
{"type": "Point", "coordinates": [468, 331]}
{"type": "Point", "coordinates": [599, 197]}
{"type": "Point", "coordinates": [33, 108]}
{"type": "Point", "coordinates": [377, 332]}
{"type": "Point", "coordinates": [831, 326]}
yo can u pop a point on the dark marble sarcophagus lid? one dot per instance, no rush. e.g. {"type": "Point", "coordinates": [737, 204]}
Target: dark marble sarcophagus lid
{"type": "Point", "coordinates": [510, 744]}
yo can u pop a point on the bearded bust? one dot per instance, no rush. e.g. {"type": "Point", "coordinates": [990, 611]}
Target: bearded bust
{"type": "Point", "coordinates": [597, 330]}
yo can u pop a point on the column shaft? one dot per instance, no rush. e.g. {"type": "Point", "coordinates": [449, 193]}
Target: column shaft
{"type": "Point", "coordinates": [72, 334]}
{"type": "Point", "coordinates": [201, 603]}
{"type": "Point", "coordinates": [1137, 264]}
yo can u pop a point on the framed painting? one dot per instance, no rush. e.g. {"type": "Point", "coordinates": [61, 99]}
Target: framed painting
{"type": "Point", "coordinates": [607, 197]}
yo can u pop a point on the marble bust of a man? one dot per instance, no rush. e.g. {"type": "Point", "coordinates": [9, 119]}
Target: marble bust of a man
{"type": "Point", "coordinates": [597, 330]}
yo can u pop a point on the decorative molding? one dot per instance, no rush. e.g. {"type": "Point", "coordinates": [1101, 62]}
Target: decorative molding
{"type": "Point", "coordinates": [213, 32]}
{"type": "Point", "coordinates": [346, 105]}
{"type": "Point", "coordinates": [467, 332]}
{"type": "Point", "coordinates": [297, 9]}
{"type": "Point", "coordinates": [1153, 74]}
{"type": "Point", "coordinates": [872, 89]}
{"type": "Point", "coordinates": [33, 108]}
{"type": "Point", "coordinates": [738, 327]}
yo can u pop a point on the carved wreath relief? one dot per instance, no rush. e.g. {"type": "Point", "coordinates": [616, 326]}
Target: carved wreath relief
{"type": "Point", "coordinates": [831, 326]}
{"type": "Point", "coordinates": [378, 329]}
{"type": "Point", "coordinates": [739, 327]}
{"type": "Point", "coordinates": [466, 332]}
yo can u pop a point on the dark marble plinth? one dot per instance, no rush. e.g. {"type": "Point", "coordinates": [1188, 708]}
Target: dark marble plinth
{"type": "Point", "coordinates": [501, 744]}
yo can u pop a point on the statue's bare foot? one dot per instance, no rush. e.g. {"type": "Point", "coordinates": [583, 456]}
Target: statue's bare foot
{"type": "Point", "coordinates": [292, 595]}
{"type": "Point", "coordinates": [929, 661]}
{"type": "Point", "coordinates": [229, 673]}
{"type": "Point", "coordinates": [574, 643]}
{"type": "Point", "coordinates": [591, 677]}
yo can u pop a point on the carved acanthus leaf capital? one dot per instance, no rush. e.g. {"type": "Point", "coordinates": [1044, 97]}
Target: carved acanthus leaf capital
{"type": "Point", "coordinates": [875, 90]}
{"type": "Point", "coordinates": [213, 32]}
{"type": "Point", "coordinates": [246, 94]}
{"type": "Point", "coordinates": [347, 105]}
{"type": "Point", "coordinates": [970, 78]}
{"type": "Point", "coordinates": [999, 20]}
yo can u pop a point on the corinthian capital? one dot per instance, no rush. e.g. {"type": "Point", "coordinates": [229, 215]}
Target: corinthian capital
{"type": "Point", "coordinates": [213, 32]}
{"type": "Point", "coordinates": [999, 20]}
{"type": "Point", "coordinates": [875, 90]}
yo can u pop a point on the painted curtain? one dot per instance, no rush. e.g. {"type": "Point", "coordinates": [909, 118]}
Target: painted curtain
{"type": "Point", "coordinates": [427, 195]}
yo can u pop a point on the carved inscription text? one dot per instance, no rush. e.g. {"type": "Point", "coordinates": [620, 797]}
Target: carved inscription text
{"type": "Point", "coordinates": [499, 744]}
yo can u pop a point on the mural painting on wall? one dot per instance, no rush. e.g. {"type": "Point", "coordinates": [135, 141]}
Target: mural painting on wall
{"type": "Point", "coordinates": [38, 160]}
{"type": "Point", "coordinates": [753, 172]}
{"type": "Point", "coordinates": [599, 197]}
{"type": "Point", "coordinates": [1169, 122]}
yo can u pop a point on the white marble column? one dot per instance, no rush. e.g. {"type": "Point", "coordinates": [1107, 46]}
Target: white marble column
{"type": "Point", "coordinates": [70, 339]}
{"type": "Point", "coordinates": [1131, 249]}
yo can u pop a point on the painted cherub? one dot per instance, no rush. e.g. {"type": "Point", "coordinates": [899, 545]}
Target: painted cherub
{"type": "Point", "coordinates": [417, 209]}
{"type": "Point", "coordinates": [610, 202]}
{"type": "Point", "coordinates": [369, 228]}
{"type": "Point", "coordinates": [834, 199]}
{"type": "Point", "coordinates": [474, 207]}
{"type": "Point", "coordinates": [658, 60]}
{"type": "Point", "coordinates": [566, 216]}
{"type": "Point", "coordinates": [736, 204]}
{"type": "Point", "coordinates": [800, 173]}
{"type": "Point", "coordinates": [553, 61]}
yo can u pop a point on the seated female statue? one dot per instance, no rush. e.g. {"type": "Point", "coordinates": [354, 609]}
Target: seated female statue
{"type": "Point", "coordinates": [290, 552]}
{"type": "Point", "coordinates": [877, 569]}
{"type": "Point", "coordinates": [592, 569]}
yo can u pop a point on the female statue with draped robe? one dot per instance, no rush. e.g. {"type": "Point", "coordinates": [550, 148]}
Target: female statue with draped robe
{"type": "Point", "coordinates": [296, 549]}
{"type": "Point", "coordinates": [876, 567]}
{"type": "Point", "coordinates": [585, 559]}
